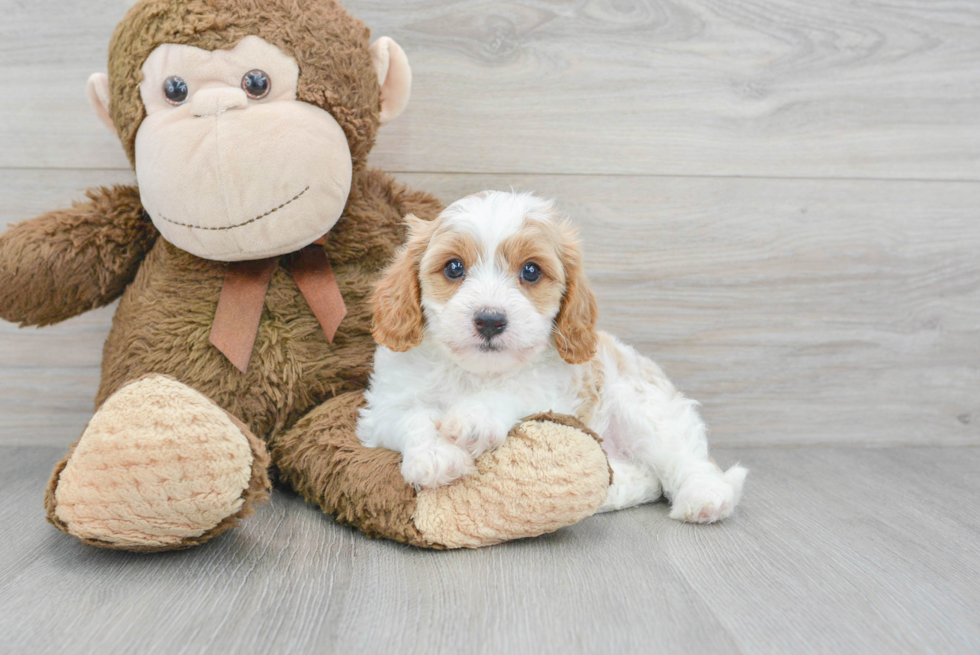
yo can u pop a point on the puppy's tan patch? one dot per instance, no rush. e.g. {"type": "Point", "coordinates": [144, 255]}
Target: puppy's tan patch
{"type": "Point", "coordinates": [398, 320]}
{"type": "Point", "coordinates": [589, 382]}
{"type": "Point", "coordinates": [575, 333]}
{"type": "Point", "coordinates": [539, 243]}
{"type": "Point", "coordinates": [444, 246]}
{"type": "Point", "coordinates": [607, 344]}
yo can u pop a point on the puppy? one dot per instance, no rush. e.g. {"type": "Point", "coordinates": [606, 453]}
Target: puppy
{"type": "Point", "coordinates": [486, 317]}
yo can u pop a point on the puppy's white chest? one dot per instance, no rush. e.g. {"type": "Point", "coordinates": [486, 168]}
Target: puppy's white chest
{"type": "Point", "coordinates": [532, 390]}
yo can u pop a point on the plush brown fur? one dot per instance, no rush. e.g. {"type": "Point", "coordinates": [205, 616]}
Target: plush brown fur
{"type": "Point", "coordinates": [323, 460]}
{"type": "Point", "coordinates": [70, 261]}
{"type": "Point", "coordinates": [330, 45]}
{"type": "Point", "coordinates": [64, 263]}
{"type": "Point", "coordinates": [67, 262]}
{"type": "Point", "coordinates": [164, 319]}
{"type": "Point", "coordinates": [363, 487]}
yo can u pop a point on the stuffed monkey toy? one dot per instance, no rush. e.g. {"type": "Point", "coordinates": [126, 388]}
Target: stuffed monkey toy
{"type": "Point", "coordinates": [245, 261]}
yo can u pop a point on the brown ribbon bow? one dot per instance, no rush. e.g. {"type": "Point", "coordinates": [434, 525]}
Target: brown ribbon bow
{"type": "Point", "coordinates": [236, 319]}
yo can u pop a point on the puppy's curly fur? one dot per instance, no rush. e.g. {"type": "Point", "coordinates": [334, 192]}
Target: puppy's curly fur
{"type": "Point", "coordinates": [485, 317]}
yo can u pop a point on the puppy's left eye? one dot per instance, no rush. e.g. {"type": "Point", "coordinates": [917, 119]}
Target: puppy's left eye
{"type": "Point", "coordinates": [531, 272]}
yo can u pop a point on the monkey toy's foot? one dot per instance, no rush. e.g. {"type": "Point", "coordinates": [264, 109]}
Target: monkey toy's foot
{"type": "Point", "coordinates": [159, 467]}
{"type": "Point", "coordinates": [548, 474]}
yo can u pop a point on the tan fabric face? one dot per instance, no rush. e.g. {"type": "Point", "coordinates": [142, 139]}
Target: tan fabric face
{"type": "Point", "coordinates": [158, 464]}
{"type": "Point", "coordinates": [230, 178]}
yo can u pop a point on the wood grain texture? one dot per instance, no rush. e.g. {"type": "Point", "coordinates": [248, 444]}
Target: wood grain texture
{"type": "Point", "coordinates": [837, 309]}
{"type": "Point", "coordinates": [797, 311]}
{"type": "Point", "coordinates": [833, 550]}
{"type": "Point", "coordinates": [704, 87]}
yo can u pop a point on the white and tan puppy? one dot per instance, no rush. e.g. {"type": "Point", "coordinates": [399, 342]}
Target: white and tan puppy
{"type": "Point", "coordinates": [486, 317]}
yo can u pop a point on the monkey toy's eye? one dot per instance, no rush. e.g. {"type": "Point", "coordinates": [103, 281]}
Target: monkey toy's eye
{"type": "Point", "coordinates": [175, 90]}
{"type": "Point", "coordinates": [256, 84]}
{"type": "Point", "coordinates": [531, 272]}
{"type": "Point", "coordinates": [454, 270]}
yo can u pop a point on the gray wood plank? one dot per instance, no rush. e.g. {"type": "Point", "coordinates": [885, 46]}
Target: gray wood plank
{"type": "Point", "coordinates": [213, 599]}
{"type": "Point", "coordinates": [844, 551]}
{"type": "Point", "coordinates": [797, 311]}
{"type": "Point", "coordinates": [832, 550]}
{"type": "Point", "coordinates": [762, 88]}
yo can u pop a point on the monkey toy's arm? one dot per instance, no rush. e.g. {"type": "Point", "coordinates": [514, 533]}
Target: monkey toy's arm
{"type": "Point", "coordinates": [67, 262]}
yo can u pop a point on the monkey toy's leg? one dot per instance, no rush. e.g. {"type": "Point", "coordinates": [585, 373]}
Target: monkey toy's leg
{"type": "Point", "coordinates": [550, 473]}
{"type": "Point", "coordinates": [159, 467]}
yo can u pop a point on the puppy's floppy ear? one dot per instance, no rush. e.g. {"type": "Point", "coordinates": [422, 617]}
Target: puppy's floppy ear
{"type": "Point", "coordinates": [398, 322]}
{"type": "Point", "coordinates": [575, 333]}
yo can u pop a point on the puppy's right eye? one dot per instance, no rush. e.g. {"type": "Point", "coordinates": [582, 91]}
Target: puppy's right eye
{"type": "Point", "coordinates": [531, 272]}
{"type": "Point", "coordinates": [454, 269]}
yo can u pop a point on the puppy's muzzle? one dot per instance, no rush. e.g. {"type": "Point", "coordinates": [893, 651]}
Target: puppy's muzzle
{"type": "Point", "coordinates": [490, 322]}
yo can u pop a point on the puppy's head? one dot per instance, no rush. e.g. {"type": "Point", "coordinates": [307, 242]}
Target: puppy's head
{"type": "Point", "coordinates": [494, 280]}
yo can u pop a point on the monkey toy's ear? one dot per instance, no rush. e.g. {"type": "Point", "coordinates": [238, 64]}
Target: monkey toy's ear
{"type": "Point", "coordinates": [98, 97]}
{"type": "Point", "coordinates": [394, 76]}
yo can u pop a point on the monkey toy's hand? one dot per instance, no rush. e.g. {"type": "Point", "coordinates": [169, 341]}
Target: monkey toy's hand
{"type": "Point", "coordinates": [66, 262]}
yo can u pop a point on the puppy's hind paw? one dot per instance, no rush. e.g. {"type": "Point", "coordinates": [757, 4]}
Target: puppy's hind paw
{"type": "Point", "coordinates": [708, 498]}
{"type": "Point", "coordinates": [436, 465]}
{"type": "Point", "coordinates": [735, 476]}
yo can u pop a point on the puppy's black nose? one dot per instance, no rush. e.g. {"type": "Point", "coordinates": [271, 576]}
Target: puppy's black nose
{"type": "Point", "coordinates": [490, 323]}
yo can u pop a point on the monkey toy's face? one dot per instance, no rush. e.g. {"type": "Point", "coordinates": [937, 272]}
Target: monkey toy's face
{"type": "Point", "coordinates": [231, 164]}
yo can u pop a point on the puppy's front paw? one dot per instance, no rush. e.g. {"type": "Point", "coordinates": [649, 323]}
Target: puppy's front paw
{"type": "Point", "coordinates": [476, 433]}
{"type": "Point", "coordinates": [436, 465]}
{"type": "Point", "coordinates": [707, 498]}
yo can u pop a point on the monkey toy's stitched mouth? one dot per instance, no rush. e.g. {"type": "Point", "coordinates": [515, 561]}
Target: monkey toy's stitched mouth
{"type": "Point", "coordinates": [232, 227]}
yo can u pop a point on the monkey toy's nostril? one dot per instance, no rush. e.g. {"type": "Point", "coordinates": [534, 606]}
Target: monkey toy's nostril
{"type": "Point", "coordinates": [490, 323]}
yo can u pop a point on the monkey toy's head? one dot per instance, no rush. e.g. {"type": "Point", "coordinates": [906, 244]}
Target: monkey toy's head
{"type": "Point", "coordinates": [246, 119]}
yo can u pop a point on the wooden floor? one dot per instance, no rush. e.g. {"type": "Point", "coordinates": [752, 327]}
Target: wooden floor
{"type": "Point", "coordinates": [780, 201]}
{"type": "Point", "coordinates": [833, 550]}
